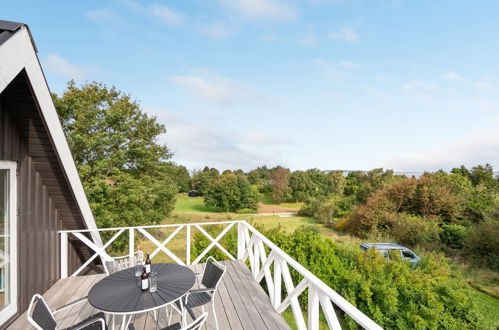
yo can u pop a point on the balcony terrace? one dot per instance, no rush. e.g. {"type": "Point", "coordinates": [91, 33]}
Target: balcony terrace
{"type": "Point", "coordinates": [241, 302]}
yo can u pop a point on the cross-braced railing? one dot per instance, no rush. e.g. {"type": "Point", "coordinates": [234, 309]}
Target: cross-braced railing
{"type": "Point", "coordinates": [265, 259]}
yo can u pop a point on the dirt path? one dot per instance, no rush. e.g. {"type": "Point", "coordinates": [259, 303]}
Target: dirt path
{"type": "Point", "coordinates": [265, 208]}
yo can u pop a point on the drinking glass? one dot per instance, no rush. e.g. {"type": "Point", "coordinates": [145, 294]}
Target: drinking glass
{"type": "Point", "coordinates": [153, 281]}
{"type": "Point", "coordinates": [138, 268]}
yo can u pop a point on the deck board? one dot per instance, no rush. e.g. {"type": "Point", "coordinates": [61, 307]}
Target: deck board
{"type": "Point", "coordinates": [240, 303]}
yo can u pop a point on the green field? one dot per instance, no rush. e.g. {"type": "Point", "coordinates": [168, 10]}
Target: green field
{"type": "Point", "coordinates": [188, 210]}
{"type": "Point", "coordinates": [193, 204]}
{"type": "Point", "coordinates": [267, 199]}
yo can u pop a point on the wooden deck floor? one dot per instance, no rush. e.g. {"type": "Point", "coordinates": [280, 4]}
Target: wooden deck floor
{"type": "Point", "coordinates": [240, 303]}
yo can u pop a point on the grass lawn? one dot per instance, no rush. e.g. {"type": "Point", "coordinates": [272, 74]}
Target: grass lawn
{"type": "Point", "coordinates": [267, 199]}
{"type": "Point", "coordinates": [488, 306]}
{"type": "Point", "coordinates": [192, 204]}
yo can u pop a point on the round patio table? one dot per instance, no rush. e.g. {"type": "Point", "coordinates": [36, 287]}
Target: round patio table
{"type": "Point", "coordinates": [120, 293]}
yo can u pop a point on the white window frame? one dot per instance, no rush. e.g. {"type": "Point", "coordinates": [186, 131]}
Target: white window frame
{"type": "Point", "coordinates": [11, 309]}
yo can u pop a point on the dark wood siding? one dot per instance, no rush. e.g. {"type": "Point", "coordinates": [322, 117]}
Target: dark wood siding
{"type": "Point", "coordinates": [45, 200]}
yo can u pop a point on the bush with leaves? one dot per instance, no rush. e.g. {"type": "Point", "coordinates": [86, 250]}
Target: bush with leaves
{"type": "Point", "coordinates": [326, 209]}
{"type": "Point", "coordinates": [481, 244]}
{"type": "Point", "coordinates": [453, 236]}
{"type": "Point", "coordinates": [413, 230]}
{"type": "Point", "coordinates": [202, 179]}
{"type": "Point", "coordinates": [231, 192]}
{"type": "Point", "coordinates": [393, 293]}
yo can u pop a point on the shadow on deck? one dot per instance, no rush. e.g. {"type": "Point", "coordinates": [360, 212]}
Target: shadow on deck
{"type": "Point", "coordinates": [240, 303]}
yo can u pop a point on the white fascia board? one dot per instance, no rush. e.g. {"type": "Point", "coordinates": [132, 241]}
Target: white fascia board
{"type": "Point", "coordinates": [17, 53]}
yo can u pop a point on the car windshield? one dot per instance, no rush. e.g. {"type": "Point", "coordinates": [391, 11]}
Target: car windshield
{"type": "Point", "coordinates": [407, 254]}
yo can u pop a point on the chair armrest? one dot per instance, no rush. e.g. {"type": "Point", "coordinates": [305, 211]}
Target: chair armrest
{"type": "Point", "coordinates": [90, 322]}
{"type": "Point", "coordinates": [194, 291]}
{"type": "Point", "coordinates": [201, 290]}
{"type": "Point", "coordinates": [71, 304]}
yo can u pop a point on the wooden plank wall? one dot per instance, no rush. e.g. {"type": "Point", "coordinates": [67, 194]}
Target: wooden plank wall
{"type": "Point", "coordinates": [38, 218]}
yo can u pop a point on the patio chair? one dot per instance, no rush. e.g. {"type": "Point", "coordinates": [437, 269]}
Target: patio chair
{"type": "Point", "coordinates": [213, 273]}
{"type": "Point", "coordinates": [195, 325]}
{"type": "Point", "coordinates": [42, 318]}
{"type": "Point", "coordinates": [115, 264]}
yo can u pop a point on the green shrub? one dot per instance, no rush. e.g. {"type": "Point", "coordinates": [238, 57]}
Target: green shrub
{"type": "Point", "coordinates": [231, 192]}
{"type": "Point", "coordinates": [453, 235]}
{"type": "Point", "coordinates": [482, 243]}
{"type": "Point", "coordinates": [413, 230]}
{"type": "Point", "coordinates": [392, 293]}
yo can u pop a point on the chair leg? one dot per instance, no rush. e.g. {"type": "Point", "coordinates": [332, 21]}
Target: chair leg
{"type": "Point", "coordinates": [214, 314]}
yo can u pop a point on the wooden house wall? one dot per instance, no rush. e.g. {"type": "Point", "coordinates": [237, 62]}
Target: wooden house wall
{"type": "Point", "coordinates": [39, 217]}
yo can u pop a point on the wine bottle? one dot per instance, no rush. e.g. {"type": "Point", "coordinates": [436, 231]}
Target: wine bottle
{"type": "Point", "coordinates": [148, 264]}
{"type": "Point", "coordinates": [144, 280]}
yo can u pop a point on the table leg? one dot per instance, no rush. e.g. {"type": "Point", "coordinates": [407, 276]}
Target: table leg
{"type": "Point", "coordinates": [125, 321]}
{"type": "Point", "coordinates": [182, 310]}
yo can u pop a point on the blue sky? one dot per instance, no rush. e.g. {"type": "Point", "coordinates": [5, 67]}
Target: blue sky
{"type": "Point", "coordinates": [332, 84]}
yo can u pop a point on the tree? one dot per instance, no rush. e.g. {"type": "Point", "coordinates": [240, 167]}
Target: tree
{"type": "Point", "coordinates": [231, 192]}
{"type": "Point", "coordinates": [280, 185]}
{"type": "Point", "coordinates": [180, 175]}
{"type": "Point", "coordinates": [202, 179]}
{"type": "Point", "coordinates": [259, 175]}
{"type": "Point", "coordinates": [479, 175]}
{"type": "Point", "coordinates": [336, 182]}
{"type": "Point", "coordinates": [302, 187]}
{"type": "Point", "coordinates": [121, 165]}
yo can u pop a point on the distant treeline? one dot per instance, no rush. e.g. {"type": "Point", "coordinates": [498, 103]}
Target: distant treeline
{"type": "Point", "coordinates": [456, 212]}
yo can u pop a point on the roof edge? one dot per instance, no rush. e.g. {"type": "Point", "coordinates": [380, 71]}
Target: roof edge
{"type": "Point", "coordinates": [9, 28]}
{"type": "Point", "coordinates": [18, 54]}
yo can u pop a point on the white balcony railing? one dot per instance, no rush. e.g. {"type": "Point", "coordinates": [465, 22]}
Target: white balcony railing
{"type": "Point", "coordinates": [266, 261]}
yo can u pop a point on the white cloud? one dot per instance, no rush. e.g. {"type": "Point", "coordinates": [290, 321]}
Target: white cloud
{"type": "Point", "coordinates": [420, 85]}
{"type": "Point", "coordinates": [477, 147]}
{"type": "Point", "coordinates": [198, 144]}
{"type": "Point", "coordinates": [217, 89]}
{"type": "Point", "coordinates": [483, 86]}
{"type": "Point", "coordinates": [346, 34]}
{"type": "Point", "coordinates": [270, 37]}
{"type": "Point", "coordinates": [56, 64]}
{"type": "Point", "coordinates": [454, 77]}
{"type": "Point", "coordinates": [103, 16]}
{"type": "Point", "coordinates": [337, 71]}
{"type": "Point", "coordinates": [255, 137]}
{"type": "Point", "coordinates": [261, 10]}
{"type": "Point", "coordinates": [307, 39]}
{"type": "Point", "coordinates": [218, 30]}
{"type": "Point", "coordinates": [166, 14]}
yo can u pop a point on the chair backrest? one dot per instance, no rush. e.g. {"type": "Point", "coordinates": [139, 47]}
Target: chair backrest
{"type": "Point", "coordinates": [39, 314]}
{"type": "Point", "coordinates": [213, 273]}
{"type": "Point", "coordinates": [197, 324]}
{"type": "Point", "coordinates": [115, 264]}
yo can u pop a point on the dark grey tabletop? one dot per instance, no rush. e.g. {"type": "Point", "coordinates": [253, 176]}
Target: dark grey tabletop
{"type": "Point", "coordinates": [120, 292]}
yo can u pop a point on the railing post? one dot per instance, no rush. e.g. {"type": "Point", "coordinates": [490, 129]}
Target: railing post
{"type": "Point", "coordinates": [277, 281]}
{"type": "Point", "coordinates": [188, 245]}
{"type": "Point", "coordinates": [131, 247]}
{"type": "Point", "coordinates": [256, 259]}
{"type": "Point", "coordinates": [313, 308]}
{"type": "Point", "coordinates": [241, 244]}
{"type": "Point", "coordinates": [64, 255]}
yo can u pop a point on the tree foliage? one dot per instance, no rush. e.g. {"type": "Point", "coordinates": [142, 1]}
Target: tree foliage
{"type": "Point", "coordinates": [202, 179]}
{"type": "Point", "coordinates": [280, 185]}
{"type": "Point", "coordinates": [393, 293]}
{"type": "Point", "coordinates": [231, 192]}
{"type": "Point", "coordinates": [122, 166]}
